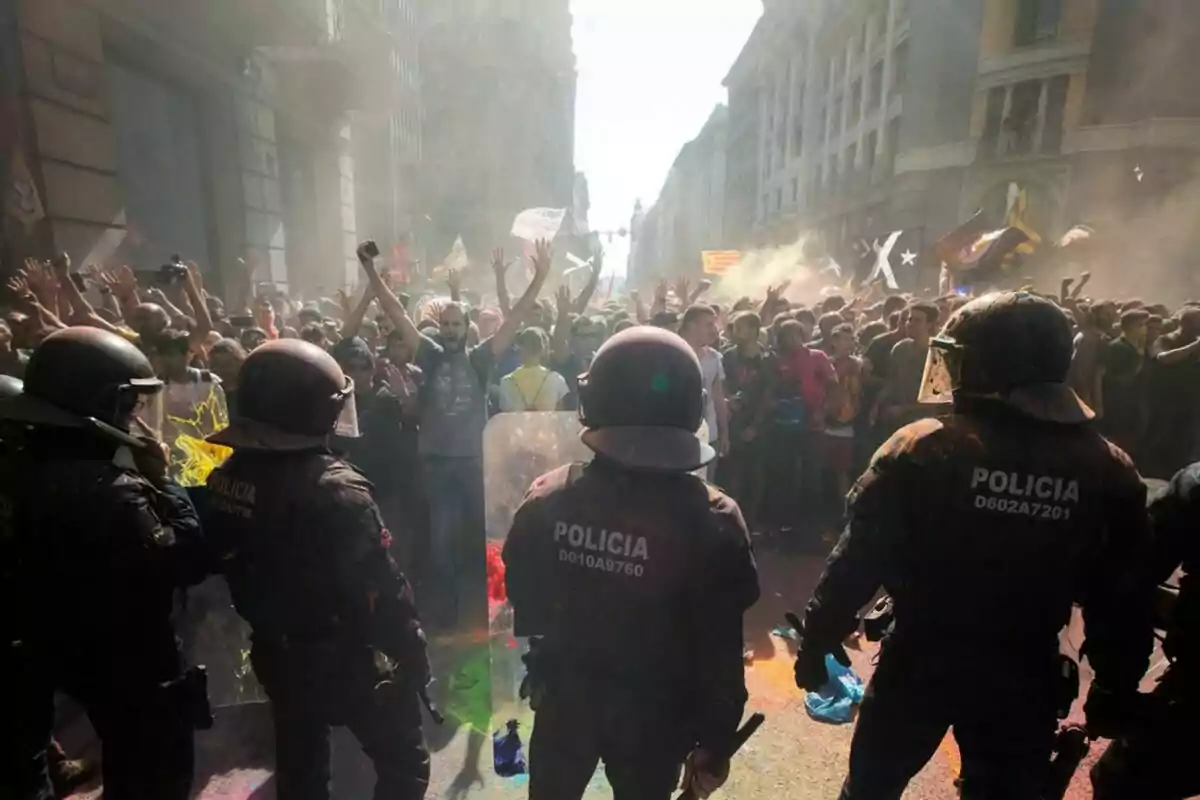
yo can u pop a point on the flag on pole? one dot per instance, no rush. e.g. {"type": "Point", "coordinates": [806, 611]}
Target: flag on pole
{"type": "Point", "coordinates": [990, 254]}
{"type": "Point", "coordinates": [883, 264]}
{"type": "Point", "coordinates": [538, 223]}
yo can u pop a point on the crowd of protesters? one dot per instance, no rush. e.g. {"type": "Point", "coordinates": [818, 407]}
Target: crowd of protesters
{"type": "Point", "coordinates": [799, 395]}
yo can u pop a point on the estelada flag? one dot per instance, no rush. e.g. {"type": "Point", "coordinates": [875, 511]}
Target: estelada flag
{"type": "Point", "coordinates": [719, 262]}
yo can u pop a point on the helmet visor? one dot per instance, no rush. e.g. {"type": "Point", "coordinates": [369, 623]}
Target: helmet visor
{"type": "Point", "coordinates": [148, 409]}
{"type": "Point", "coordinates": [941, 374]}
{"type": "Point", "coordinates": [347, 421]}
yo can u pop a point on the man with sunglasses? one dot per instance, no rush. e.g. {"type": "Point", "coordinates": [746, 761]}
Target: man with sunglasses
{"type": "Point", "coordinates": [985, 527]}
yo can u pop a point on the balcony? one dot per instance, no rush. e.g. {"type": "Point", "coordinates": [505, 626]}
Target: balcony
{"type": "Point", "coordinates": [1035, 62]}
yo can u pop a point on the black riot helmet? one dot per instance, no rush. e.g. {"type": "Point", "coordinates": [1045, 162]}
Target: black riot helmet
{"type": "Point", "coordinates": [291, 396]}
{"type": "Point", "coordinates": [1013, 346]}
{"type": "Point", "coordinates": [642, 402]}
{"type": "Point", "coordinates": [84, 374]}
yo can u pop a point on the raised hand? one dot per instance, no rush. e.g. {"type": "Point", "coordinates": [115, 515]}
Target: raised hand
{"type": "Point", "coordinates": [660, 292]}
{"type": "Point", "coordinates": [23, 297]}
{"type": "Point", "coordinates": [542, 256]}
{"type": "Point", "coordinates": [41, 280]}
{"type": "Point", "coordinates": [683, 290]}
{"type": "Point", "coordinates": [453, 280]}
{"type": "Point", "coordinates": [563, 298]}
{"type": "Point", "coordinates": [499, 265]}
{"type": "Point", "coordinates": [197, 279]}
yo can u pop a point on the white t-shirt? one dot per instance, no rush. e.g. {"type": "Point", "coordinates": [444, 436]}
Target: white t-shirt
{"type": "Point", "coordinates": [712, 369]}
{"type": "Point", "coordinates": [532, 389]}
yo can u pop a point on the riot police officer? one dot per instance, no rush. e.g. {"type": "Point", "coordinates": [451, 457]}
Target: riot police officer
{"type": "Point", "coordinates": [984, 527]}
{"type": "Point", "coordinates": [1154, 759]}
{"type": "Point", "coordinates": [106, 540]}
{"type": "Point", "coordinates": [634, 574]}
{"type": "Point", "coordinates": [335, 634]}
{"type": "Point", "coordinates": [30, 697]}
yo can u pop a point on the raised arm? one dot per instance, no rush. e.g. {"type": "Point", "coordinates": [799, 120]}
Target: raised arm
{"type": "Point", "coordinates": [500, 267]}
{"type": "Point", "coordinates": [193, 289]}
{"type": "Point", "coordinates": [353, 317]}
{"type": "Point", "coordinates": [581, 303]}
{"type": "Point", "coordinates": [388, 301]}
{"type": "Point", "coordinates": [562, 326]}
{"type": "Point", "coordinates": [512, 322]}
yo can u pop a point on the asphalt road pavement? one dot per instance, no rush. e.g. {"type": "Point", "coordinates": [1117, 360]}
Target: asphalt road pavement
{"type": "Point", "coordinates": [791, 756]}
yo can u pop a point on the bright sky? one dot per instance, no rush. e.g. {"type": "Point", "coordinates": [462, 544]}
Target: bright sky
{"type": "Point", "coordinates": [650, 72]}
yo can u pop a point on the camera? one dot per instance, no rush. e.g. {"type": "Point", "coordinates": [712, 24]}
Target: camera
{"type": "Point", "coordinates": [172, 272]}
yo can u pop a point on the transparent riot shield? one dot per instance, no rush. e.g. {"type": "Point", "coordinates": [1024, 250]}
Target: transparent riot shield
{"type": "Point", "coordinates": [478, 666]}
{"type": "Point", "coordinates": [517, 449]}
{"type": "Point", "coordinates": [191, 412]}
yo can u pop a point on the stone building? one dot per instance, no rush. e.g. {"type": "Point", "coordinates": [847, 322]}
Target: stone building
{"type": "Point", "coordinates": [874, 115]}
{"type": "Point", "coordinates": [689, 215]}
{"type": "Point", "coordinates": [220, 130]}
{"type": "Point", "coordinates": [498, 84]}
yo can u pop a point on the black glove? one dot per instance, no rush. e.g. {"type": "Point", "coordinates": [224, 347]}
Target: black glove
{"type": "Point", "coordinates": [811, 673]}
{"type": "Point", "coordinates": [1113, 714]}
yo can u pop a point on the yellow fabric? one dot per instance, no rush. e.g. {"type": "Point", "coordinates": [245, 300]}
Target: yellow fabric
{"type": "Point", "coordinates": [530, 382]}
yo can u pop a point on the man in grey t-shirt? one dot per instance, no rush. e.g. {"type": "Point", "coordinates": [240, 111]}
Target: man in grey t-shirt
{"type": "Point", "coordinates": [453, 413]}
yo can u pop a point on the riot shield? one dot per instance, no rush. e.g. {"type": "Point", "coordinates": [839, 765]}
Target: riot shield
{"type": "Point", "coordinates": [517, 449]}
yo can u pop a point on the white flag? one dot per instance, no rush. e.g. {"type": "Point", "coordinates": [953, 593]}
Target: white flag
{"type": "Point", "coordinates": [538, 223]}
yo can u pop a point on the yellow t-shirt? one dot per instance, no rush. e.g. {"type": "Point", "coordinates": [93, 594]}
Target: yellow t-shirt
{"type": "Point", "coordinates": [532, 389]}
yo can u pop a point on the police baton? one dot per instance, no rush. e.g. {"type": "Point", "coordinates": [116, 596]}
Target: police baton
{"type": "Point", "coordinates": [1071, 745]}
{"type": "Point", "coordinates": [431, 707]}
{"type": "Point", "coordinates": [739, 740]}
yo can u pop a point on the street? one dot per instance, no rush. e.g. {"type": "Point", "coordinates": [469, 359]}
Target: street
{"type": "Point", "coordinates": [792, 755]}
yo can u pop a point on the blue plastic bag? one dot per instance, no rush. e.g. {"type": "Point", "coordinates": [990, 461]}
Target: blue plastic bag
{"type": "Point", "coordinates": [507, 754]}
{"type": "Point", "coordinates": [836, 700]}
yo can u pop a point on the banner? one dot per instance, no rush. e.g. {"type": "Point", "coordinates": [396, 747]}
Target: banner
{"type": "Point", "coordinates": [538, 223]}
{"type": "Point", "coordinates": [719, 262]}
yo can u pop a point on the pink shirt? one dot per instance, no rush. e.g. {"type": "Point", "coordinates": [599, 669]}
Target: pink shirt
{"type": "Point", "coordinates": [809, 373]}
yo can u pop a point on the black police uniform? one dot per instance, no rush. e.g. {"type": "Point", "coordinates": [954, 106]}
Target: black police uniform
{"type": "Point", "coordinates": [107, 549]}
{"type": "Point", "coordinates": [310, 572]}
{"type": "Point", "coordinates": [30, 695]}
{"type": "Point", "coordinates": [638, 583]}
{"type": "Point", "coordinates": [635, 575]}
{"type": "Point", "coordinates": [1157, 762]}
{"type": "Point", "coordinates": [984, 527]}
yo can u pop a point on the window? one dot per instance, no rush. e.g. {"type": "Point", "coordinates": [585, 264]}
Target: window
{"type": "Point", "coordinates": [778, 199]}
{"type": "Point", "coordinates": [875, 90]}
{"type": "Point", "coordinates": [1052, 125]}
{"type": "Point", "coordinates": [869, 147]}
{"type": "Point", "coordinates": [1037, 21]}
{"type": "Point", "coordinates": [1019, 125]}
{"type": "Point", "coordinates": [991, 123]}
{"type": "Point", "coordinates": [899, 67]}
{"type": "Point", "coordinates": [892, 147]}
{"type": "Point", "coordinates": [855, 102]}
{"type": "Point", "coordinates": [795, 190]}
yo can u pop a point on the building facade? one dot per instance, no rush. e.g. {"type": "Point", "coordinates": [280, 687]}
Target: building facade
{"type": "Point", "coordinates": [222, 131]}
{"type": "Point", "coordinates": [875, 115]}
{"type": "Point", "coordinates": [689, 215]}
{"type": "Point", "coordinates": [498, 84]}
